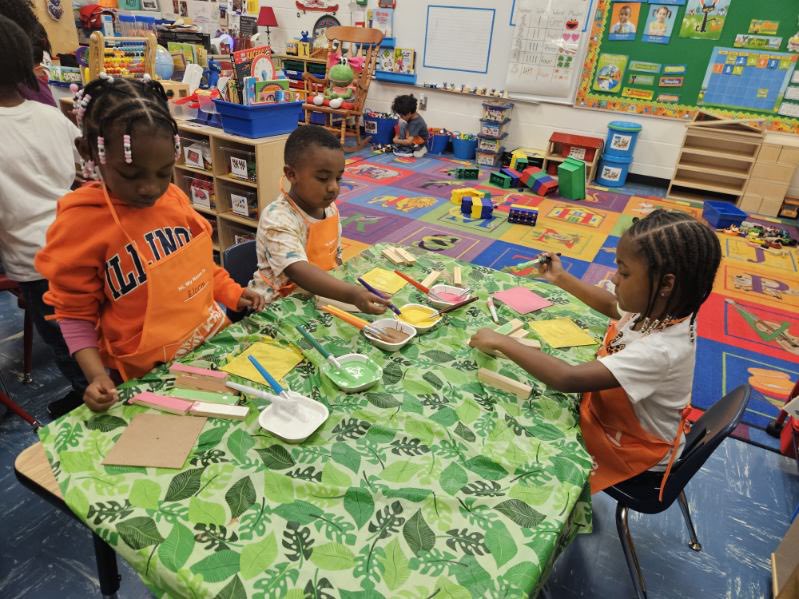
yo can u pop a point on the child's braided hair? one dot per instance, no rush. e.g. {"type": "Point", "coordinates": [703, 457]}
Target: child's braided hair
{"type": "Point", "coordinates": [114, 102]}
{"type": "Point", "coordinates": [676, 243]}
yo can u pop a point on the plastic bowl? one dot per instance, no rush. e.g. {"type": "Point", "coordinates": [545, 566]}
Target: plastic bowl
{"type": "Point", "coordinates": [290, 429]}
{"type": "Point", "coordinates": [348, 363]}
{"type": "Point", "coordinates": [445, 290]}
{"type": "Point", "coordinates": [391, 323]}
{"type": "Point", "coordinates": [421, 325]}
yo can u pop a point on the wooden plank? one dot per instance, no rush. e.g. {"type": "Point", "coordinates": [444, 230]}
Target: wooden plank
{"type": "Point", "coordinates": [457, 276]}
{"type": "Point", "coordinates": [393, 256]}
{"type": "Point", "coordinates": [431, 278]}
{"type": "Point", "coordinates": [518, 334]}
{"type": "Point", "coordinates": [510, 327]}
{"type": "Point", "coordinates": [202, 408]}
{"type": "Point", "coordinates": [32, 464]}
{"type": "Point", "coordinates": [494, 379]}
{"type": "Point", "coordinates": [405, 255]}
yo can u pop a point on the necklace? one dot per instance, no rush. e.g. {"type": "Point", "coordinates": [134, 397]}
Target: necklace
{"type": "Point", "coordinates": [648, 327]}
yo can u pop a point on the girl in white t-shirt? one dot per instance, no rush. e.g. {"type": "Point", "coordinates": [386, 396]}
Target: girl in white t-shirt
{"type": "Point", "coordinates": [637, 390]}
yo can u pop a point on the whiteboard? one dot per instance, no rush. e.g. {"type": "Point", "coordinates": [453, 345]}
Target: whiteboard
{"type": "Point", "coordinates": [458, 38]}
{"type": "Point", "coordinates": [550, 40]}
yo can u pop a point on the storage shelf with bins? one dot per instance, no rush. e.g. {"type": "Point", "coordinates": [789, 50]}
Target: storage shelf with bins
{"type": "Point", "coordinates": [295, 67]}
{"type": "Point", "coordinates": [229, 179]}
{"type": "Point", "coordinates": [716, 159]}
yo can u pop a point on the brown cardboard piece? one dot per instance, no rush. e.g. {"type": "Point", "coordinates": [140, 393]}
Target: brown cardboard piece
{"type": "Point", "coordinates": [785, 565]}
{"type": "Point", "coordinates": [157, 440]}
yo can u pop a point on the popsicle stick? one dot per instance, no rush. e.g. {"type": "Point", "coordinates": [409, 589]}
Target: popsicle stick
{"type": "Point", "coordinates": [393, 256]}
{"type": "Point", "coordinates": [494, 379]}
{"type": "Point", "coordinates": [213, 410]}
{"type": "Point", "coordinates": [510, 327]}
{"type": "Point", "coordinates": [457, 276]}
{"type": "Point", "coordinates": [172, 405]}
{"type": "Point", "coordinates": [518, 334]}
{"type": "Point", "coordinates": [405, 255]}
{"type": "Point", "coordinates": [431, 278]}
{"type": "Point", "coordinates": [326, 301]}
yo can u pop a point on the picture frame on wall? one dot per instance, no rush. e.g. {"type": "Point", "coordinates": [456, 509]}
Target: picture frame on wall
{"type": "Point", "coordinates": [150, 5]}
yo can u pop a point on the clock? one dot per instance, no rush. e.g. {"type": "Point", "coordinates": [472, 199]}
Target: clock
{"type": "Point", "coordinates": [323, 23]}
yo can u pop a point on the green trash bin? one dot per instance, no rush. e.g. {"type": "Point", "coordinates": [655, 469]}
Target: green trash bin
{"type": "Point", "coordinates": [571, 179]}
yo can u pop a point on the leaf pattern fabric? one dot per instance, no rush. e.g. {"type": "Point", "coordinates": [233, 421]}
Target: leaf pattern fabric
{"type": "Point", "coordinates": [427, 483]}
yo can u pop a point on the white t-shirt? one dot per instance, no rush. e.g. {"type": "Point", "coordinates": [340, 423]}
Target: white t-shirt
{"type": "Point", "coordinates": [38, 167]}
{"type": "Point", "coordinates": [656, 372]}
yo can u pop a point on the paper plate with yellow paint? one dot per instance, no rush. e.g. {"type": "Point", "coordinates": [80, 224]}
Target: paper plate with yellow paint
{"type": "Point", "coordinates": [421, 317]}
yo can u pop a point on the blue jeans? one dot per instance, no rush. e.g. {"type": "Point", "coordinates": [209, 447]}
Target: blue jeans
{"type": "Point", "coordinates": [50, 332]}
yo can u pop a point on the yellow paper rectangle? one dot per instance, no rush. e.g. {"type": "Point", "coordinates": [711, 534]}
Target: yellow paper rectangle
{"type": "Point", "coordinates": [561, 332]}
{"type": "Point", "coordinates": [277, 359]}
{"type": "Point", "coordinates": [384, 280]}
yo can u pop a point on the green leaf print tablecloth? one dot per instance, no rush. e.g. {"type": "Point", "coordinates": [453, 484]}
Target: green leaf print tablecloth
{"type": "Point", "coordinates": [427, 484]}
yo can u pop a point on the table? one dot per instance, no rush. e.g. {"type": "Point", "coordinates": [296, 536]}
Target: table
{"type": "Point", "coordinates": [427, 481]}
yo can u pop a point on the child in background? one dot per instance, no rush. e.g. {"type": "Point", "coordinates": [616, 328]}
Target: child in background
{"type": "Point", "coordinates": [38, 158]}
{"type": "Point", "coordinates": [130, 266]}
{"type": "Point", "coordinates": [299, 234]}
{"type": "Point", "coordinates": [411, 139]}
{"type": "Point", "coordinates": [623, 25]}
{"type": "Point", "coordinates": [659, 26]}
{"type": "Point", "coordinates": [636, 392]}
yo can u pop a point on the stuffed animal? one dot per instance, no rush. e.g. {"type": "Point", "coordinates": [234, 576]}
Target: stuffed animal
{"type": "Point", "coordinates": [341, 87]}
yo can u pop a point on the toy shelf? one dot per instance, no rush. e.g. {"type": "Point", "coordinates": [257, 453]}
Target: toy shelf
{"type": "Point", "coordinates": [716, 159]}
{"type": "Point", "coordinates": [314, 66]}
{"type": "Point", "coordinates": [582, 147]}
{"type": "Point", "coordinates": [243, 178]}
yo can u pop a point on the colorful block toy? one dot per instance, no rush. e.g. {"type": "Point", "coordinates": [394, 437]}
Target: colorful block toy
{"type": "Point", "coordinates": [513, 174]}
{"type": "Point", "coordinates": [528, 175]}
{"type": "Point", "coordinates": [466, 173]}
{"type": "Point", "coordinates": [478, 207]}
{"type": "Point", "coordinates": [522, 215]}
{"type": "Point", "coordinates": [500, 180]}
{"type": "Point", "coordinates": [458, 194]}
{"type": "Point", "coordinates": [571, 179]}
{"type": "Point", "coordinates": [544, 185]}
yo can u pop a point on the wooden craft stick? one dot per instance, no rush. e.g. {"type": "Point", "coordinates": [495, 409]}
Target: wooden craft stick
{"type": "Point", "coordinates": [494, 379]}
{"type": "Point", "coordinates": [392, 255]}
{"type": "Point", "coordinates": [510, 327]}
{"type": "Point", "coordinates": [213, 410]}
{"type": "Point", "coordinates": [326, 301]}
{"type": "Point", "coordinates": [431, 278]}
{"type": "Point", "coordinates": [215, 384]}
{"type": "Point", "coordinates": [405, 255]}
{"type": "Point", "coordinates": [185, 368]}
{"type": "Point", "coordinates": [518, 334]}
{"type": "Point", "coordinates": [173, 405]}
{"type": "Point", "coordinates": [457, 276]}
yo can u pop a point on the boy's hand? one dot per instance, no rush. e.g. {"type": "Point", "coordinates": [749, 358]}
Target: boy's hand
{"type": "Point", "coordinates": [368, 302]}
{"type": "Point", "coordinates": [101, 393]}
{"type": "Point", "coordinates": [552, 269]}
{"type": "Point", "coordinates": [486, 340]}
{"type": "Point", "coordinates": [252, 300]}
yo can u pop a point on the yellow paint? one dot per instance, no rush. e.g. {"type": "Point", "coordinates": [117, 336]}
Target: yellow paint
{"type": "Point", "coordinates": [418, 316]}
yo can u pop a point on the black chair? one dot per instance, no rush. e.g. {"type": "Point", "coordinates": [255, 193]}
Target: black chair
{"type": "Point", "coordinates": [640, 493]}
{"type": "Point", "coordinates": [241, 261]}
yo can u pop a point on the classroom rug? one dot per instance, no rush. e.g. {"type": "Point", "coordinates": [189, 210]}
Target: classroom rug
{"type": "Point", "coordinates": [748, 330]}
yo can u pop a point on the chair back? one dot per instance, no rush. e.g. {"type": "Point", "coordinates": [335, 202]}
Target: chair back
{"type": "Point", "coordinates": [356, 42]}
{"type": "Point", "coordinates": [640, 493]}
{"type": "Point", "coordinates": [241, 261]}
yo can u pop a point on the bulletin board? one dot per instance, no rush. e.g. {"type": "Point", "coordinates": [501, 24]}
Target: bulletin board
{"type": "Point", "coordinates": [748, 70]}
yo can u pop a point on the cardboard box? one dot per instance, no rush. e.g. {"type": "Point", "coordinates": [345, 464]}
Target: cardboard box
{"type": "Point", "coordinates": [769, 153]}
{"type": "Point", "coordinates": [767, 188]}
{"type": "Point", "coordinates": [750, 203]}
{"type": "Point", "coordinates": [785, 565]}
{"type": "Point", "coordinates": [773, 171]}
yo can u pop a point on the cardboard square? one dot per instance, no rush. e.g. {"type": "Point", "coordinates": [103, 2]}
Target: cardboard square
{"type": "Point", "coordinates": [561, 332]}
{"type": "Point", "coordinates": [384, 280]}
{"type": "Point", "coordinates": [156, 440]}
{"type": "Point", "coordinates": [277, 359]}
{"type": "Point", "coordinates": [522, 300]}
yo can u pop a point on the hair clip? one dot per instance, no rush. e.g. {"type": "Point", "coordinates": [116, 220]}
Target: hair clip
{"type": "Point", "coordinates": [177, 146]}
{"type": "Point", "coordinates": [126, 149]}
{"type": "Point", "coordinates": [146, 77]}
{"type": "Point", "coordinates": [101, 149]}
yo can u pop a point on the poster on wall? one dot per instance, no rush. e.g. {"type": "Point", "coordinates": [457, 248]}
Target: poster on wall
{"type": "Point", "coordinates": [624, 21]}
{"type": "Point", "coordinates": [547, 46]}
{"type": "Point", "coordinates": [704, 19]}
{"type": "Point", "coordinates": [659, 23]}
{"type": "Point", "coordinates": [610, 72]}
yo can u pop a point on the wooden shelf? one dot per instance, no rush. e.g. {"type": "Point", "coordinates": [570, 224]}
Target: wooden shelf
{"type": "Point", "coordinates": [718, 154]}
{"type": "Point", "coordinates": [691, 195]}
{"type": "Point", "coordinates": [706, 185]}
{"type": "Point", "coordinates": [712, 170]}
{"type": "Point", "coordinates": [237, 181]}
{"type": "Point", "coordinates": [191, 169]}
{"type": "Point", "coordinates": [206, 211]}
{"type": "Point", "coordinates": [242, 220]}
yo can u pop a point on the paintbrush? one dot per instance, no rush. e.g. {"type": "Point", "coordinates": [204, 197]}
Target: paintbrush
{"type": "Point", "coordinates": [426, 290]}
{"type": "Point", "coordinates": [452, 307]}
{"type": "Point", "coordinates": [325, 354]}
{"type": "Point", "coordinates": [286, 402]}
{"type": "Point", "coordinates": [387, 335]}
{"type": "Point", "coordinates": [379, 294]}
{"type": "Point", "coordinates": [534, 262]}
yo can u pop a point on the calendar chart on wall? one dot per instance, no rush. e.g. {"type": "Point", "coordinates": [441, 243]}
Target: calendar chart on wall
{"type": "Point", "coordinates": [549, 41]}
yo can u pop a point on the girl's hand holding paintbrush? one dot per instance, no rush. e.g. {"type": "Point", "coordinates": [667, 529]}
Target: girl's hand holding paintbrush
{"type": "Point", "coordinates": [550, 267]}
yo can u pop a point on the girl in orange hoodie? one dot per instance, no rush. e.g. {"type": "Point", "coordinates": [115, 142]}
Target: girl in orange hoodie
{"type": "Point", "coordinates": [129, 262]}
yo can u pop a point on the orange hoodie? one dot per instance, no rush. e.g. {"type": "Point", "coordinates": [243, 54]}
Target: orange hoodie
{"type": "Point", "coordinates": [94, 275]}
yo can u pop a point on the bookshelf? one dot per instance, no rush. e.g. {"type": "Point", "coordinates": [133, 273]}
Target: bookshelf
{"type": "Point", "coordinates": [295, 67]}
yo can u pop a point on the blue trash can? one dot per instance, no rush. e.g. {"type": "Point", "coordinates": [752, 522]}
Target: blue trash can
{"type": "Point", "coordinates": [621, 138]}
{"type": "Point", "coordinates": [464, 148]}
{"type": "Point", "coordinates": [381, 129]}
{"type": "Point", "coordinates": [613, 170]}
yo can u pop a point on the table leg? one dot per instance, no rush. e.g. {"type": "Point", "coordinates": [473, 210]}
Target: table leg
{"type": "Point", "coordinates": [107, 571]}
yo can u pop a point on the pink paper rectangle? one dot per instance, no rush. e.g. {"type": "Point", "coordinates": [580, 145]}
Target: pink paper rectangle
{"type": "Point", "coordinates": [177, 367]}
{"type": "Point", "coordinates": [522, 300]}
{"type": "Point", "coordinates": [173, 405]}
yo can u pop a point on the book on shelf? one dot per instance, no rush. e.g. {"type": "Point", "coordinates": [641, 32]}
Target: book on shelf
{"type": "Point", "coordinates": [385, 59]}
{"type": "Point", "coordinates": [404, 60]}
{"type": "Point", "coordinates": [253, 62]}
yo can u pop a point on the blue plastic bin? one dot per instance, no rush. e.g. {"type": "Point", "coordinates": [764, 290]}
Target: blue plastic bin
{"type": "Point", "coordinates": [438, 143]}
{"type": "Point", "coordinates": [259, 120]}
{"type": "Point", "coordinates": [621, 139]}
{"type": "Point", "coordinates": [721, 215]}
{"type": "Point", "coordinates": [613, 170]}
{"type": "Point", "coordinates": [381, 129]}
{"type": "Point", "coordinates": [464, 148]}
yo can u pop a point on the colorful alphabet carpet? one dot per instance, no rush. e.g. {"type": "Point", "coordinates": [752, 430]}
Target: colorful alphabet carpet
{"type": "Point", "coordinates": [748, 329]}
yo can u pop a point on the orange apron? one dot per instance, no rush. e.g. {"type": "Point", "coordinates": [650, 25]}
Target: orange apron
{"type": "Point", "coordinates": [614, 437]}
{"type": "Point", "coordinates": [321, 246]}
{"type": "Point", "coordinates": [181, 312]}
